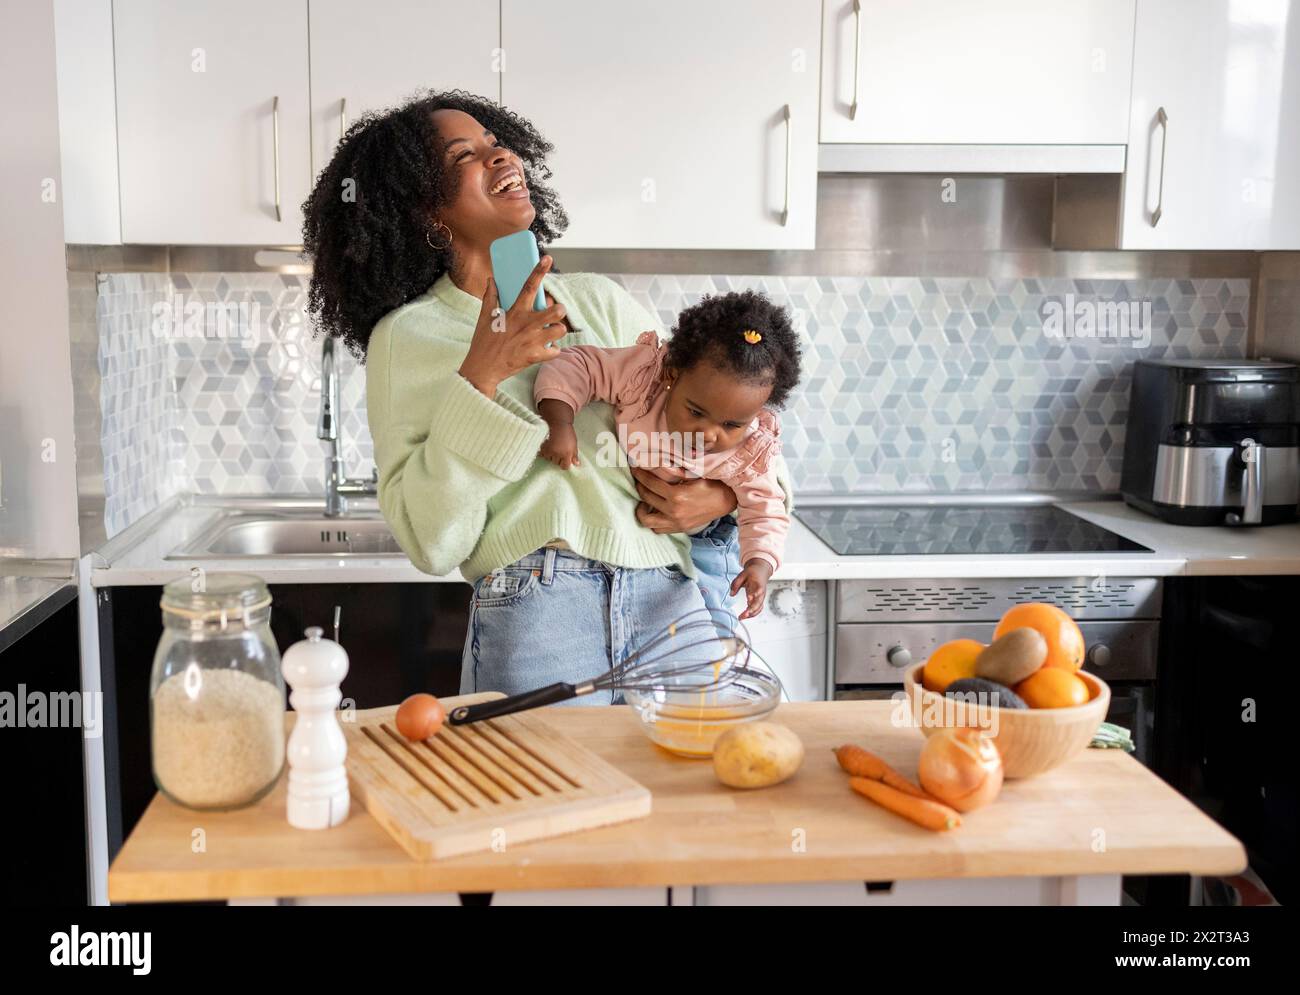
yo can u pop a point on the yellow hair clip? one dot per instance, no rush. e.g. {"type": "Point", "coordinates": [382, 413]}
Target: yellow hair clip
{"type": "Point", "coordinates": [753, 337]}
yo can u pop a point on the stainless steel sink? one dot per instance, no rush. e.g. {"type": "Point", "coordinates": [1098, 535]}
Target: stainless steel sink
{"type": "Point", "coordinates": [236, 535]}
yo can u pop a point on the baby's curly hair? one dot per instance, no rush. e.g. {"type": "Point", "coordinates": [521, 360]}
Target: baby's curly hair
{"type": "Point", "coordinates": [713, 330]}
{"type": "Point", "coordinates": [366, 221]}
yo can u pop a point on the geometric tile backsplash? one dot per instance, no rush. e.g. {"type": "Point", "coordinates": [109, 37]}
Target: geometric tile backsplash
{"type": "Point", "coordinates": [137, 405]}
{"type": "Point", "coordinates": [942, 385]}
{"type": "Point", "coordinates": [911, 384]}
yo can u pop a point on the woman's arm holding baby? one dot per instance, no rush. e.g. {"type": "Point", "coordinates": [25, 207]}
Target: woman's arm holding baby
{"type": "Point", "coordinates": [689, 505]}
{"type": "Point", "coordinates": [686, 506]}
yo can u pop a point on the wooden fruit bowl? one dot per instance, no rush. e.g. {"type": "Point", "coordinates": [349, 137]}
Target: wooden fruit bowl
{"type": "Point", "coordinates": [1031, 740]}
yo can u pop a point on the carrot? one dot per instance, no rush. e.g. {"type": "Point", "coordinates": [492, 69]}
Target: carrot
{"type": "Point", "coordinates": [864, 763]}
{"type": "Point", "coordinates": [924, 812]}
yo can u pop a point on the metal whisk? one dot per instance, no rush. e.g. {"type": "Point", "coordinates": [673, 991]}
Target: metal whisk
{"type": "Point", "coordinates": [702, 651]}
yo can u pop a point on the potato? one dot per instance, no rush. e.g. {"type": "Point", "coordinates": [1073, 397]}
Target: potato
{"type": "Point", "coordinates": [756, 755]}
{"type": "Point", "coordinates": [1012, 657]}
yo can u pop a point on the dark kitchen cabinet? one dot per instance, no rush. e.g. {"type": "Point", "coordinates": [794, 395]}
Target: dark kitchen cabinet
{"type": "Point", "coordinates": [400, 638]}
{"type": "Point", "coordinates": [45, 827]}
{"type": "Point", "coordinates": [1225, 736]}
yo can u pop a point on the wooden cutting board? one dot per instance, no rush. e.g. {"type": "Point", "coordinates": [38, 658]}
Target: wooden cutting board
{"type": "Point", "coordinates": [487, 785]}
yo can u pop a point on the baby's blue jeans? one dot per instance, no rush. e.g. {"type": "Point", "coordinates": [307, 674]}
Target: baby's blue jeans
{"type": "Point", "coordinates": [715, 551]}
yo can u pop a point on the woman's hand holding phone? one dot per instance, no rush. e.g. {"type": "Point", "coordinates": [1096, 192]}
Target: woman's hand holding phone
{"type": "Point", "coordinates": [510, 340]}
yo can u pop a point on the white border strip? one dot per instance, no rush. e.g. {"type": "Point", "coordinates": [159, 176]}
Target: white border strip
{"type": "Point", "coordinates": [970, 158]}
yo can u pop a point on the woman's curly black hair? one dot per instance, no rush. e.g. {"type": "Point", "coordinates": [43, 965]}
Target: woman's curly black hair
{"type": "Point", "coordinates": [367, 221]}
{"type": "Point", "coordinates": [713, 330]}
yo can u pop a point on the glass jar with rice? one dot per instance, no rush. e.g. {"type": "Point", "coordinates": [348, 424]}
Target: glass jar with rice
{"type": "Point", "coordinates": [217, 699]}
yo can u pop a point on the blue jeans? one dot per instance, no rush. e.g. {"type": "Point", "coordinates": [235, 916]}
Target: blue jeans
{"type": "Point", "coordinates": [556, 616]}
{"type": "Point", "coordinates": [715, 551]}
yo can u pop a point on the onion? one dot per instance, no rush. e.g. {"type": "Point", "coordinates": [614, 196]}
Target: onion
{"type": "Point", "coordinates": [962, 768]}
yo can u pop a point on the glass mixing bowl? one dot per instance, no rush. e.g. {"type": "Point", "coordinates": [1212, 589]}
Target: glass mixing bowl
{"type": "Point", "coordinates": [686, 720]}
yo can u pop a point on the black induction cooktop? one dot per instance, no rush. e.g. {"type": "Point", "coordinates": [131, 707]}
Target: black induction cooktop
{"type": "Point", "coordinates": [892, 530]}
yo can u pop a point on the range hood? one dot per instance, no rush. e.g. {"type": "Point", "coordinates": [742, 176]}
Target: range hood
{"type": "Point", "coordinates": [1059, 196]}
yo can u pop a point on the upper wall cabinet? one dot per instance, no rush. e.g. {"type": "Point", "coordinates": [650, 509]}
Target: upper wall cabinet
{"type": "Point", "coordinates": [366, 56]}
{"type": "Point", "coordinates": [1037, 72]}
{"type": "Point", "coordinates": [676, 124]}
{"type": "Point", "coordinates": [83, 35]}
{"type": "Point", "coordinates": [1214, 135]}
{"type": "Point", "coordinates": [212, 117]}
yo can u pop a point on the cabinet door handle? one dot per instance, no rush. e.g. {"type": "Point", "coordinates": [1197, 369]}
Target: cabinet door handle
{"type": "Point", "coordinates": [857, 54]}
{"type": "Point", "coordinates": [1163, 120]}
{"type": "Point", "coordinates": [343, 117]}
{"type": "Point", "coordinates": [785, 211]}
{"type": "Point", "coordinates": [275, 146]}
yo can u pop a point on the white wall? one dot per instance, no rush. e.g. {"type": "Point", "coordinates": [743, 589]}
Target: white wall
{"type": "Point", "coordinates": [1277, 308]}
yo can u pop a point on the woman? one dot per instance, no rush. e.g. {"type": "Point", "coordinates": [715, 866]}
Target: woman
{"type": "Point", "coordinates": [572, 569]}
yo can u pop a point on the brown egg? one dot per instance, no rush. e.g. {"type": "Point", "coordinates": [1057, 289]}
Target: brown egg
{"type": "Point", "coordinates": [420, 716]}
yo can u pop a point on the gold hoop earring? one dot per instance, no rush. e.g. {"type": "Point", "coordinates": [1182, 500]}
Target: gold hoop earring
{"type": "Point", "coordinates": [440, 248]}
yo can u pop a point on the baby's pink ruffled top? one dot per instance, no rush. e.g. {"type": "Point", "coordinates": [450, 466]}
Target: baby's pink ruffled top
{"type": "Point", "coordinates": [631, 379]}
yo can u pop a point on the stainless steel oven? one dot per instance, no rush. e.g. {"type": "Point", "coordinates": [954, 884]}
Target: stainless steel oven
{"type": "Point", "coordinates": [883, 626]}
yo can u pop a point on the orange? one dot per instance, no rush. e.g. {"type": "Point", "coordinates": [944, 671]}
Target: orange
{"type": "Point", "coordinates": [1052, 687]}
{"type": "Point", "coordinates": [951, 661]}
{"type": "Point", "coordinates": [1064, 640]}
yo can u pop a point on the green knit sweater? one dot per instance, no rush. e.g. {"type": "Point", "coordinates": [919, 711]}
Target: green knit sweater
{"type": "Point", "coordinates": [460, 481]}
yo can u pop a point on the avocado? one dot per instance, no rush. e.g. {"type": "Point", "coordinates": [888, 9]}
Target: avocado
{"type": "Point", "coordinates": [998, 695]}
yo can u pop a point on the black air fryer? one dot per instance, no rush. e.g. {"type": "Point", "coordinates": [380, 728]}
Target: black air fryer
{"type": "Point", "coordinates": [1214, 442]}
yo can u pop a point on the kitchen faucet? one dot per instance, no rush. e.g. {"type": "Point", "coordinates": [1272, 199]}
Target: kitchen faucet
{"type": "Point", "coordinates": [338, 486]}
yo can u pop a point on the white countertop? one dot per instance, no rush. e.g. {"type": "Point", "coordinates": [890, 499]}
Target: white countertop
{"type": "Point", "coordinates": [138, 556]}
{"type": "Point", "coordinates": [1206, 551]}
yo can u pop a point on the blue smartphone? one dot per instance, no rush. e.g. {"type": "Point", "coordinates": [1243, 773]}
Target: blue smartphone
{"type": "Point", "coordinates": [514, 257]}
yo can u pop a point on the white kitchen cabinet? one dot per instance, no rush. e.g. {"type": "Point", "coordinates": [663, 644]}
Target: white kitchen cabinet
{"type": "Point", "coordinates": [939, 72]}
{"type": "Point", "coordinates": [38, 465]}
{"type": "Point", "coordinates": [670, 119]}
{"type": "Point", "coordinates": [213, 120]}
{"type": "Point", "coordinates": [1214, 132]}
{"type": "Point", "coordinates": [1099, 889]}
{"type": "Point", "coordinates": [83, 37]}
{"type": "Point", "coordinates": [367, 56]}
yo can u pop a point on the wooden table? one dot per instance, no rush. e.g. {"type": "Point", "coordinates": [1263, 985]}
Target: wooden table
{"type": "Point", "coordinates": [1061, 838]}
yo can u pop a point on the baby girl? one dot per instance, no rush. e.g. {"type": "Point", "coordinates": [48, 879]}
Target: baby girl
{"type": "Point", "coordinates": [699, 406]}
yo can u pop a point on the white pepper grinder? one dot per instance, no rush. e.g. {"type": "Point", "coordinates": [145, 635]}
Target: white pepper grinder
{"type": "Point", "coordinates": [318, 780]}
